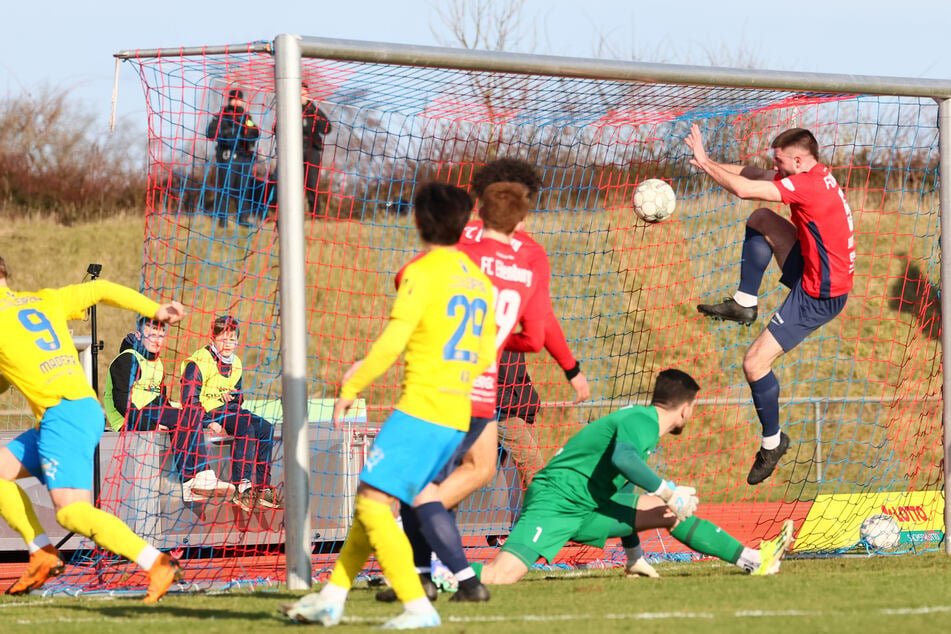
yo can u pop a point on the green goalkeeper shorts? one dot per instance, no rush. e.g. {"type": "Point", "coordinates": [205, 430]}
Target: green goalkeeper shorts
{"type": "Point", "coordinates": [545, 526]}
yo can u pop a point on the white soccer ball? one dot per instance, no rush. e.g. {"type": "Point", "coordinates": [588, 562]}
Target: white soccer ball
{"type": "Point", "coordinates": [654, 200]}
{"type": "Point", "coordinates": [880, 531]}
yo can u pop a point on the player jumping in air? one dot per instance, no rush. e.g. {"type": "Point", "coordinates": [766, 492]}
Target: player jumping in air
{"type": "Point", "coordinates": [815, 252]}
{"type": "Point", "coordinates": [582, 494]}
{"type": "Point", "coordinates": [37, 357]}
{"type": "Point", "coordinates": [443, 317]}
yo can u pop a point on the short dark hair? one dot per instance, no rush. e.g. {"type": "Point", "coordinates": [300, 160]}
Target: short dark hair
{"type": "Point", "coordinates": [234, 93]}
{"type": "Point", "coordinates": [4, 273]}
{"type": "Point", "coordinates": [674, 388]}
{"type": "Point", "coordinates": [142, 322]}
{"type": "Point", "coordinates": [510, 170]}
{"type": "Point", "coordinates": [504, 205]}
{"type": "Point", "coordinates": [224, 323]}
{"type": "Point", "coordinates": [442, 212]}
{"type": "Point", "coordinates": [797, 137]}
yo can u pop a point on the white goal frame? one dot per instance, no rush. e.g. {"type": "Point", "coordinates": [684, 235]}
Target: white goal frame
{"type": "Point", "coordinates": [289, 49]}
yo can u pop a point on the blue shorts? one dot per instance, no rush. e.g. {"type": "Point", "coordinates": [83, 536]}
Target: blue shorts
{"type": "Point", "coordinates": [60, 453]}
{"type": "Point", "coordinates": [407, 454]}
{"type": "Point", "coordinates": [477, 425]}
{"type": "Point", "coordinates": [800, 314]}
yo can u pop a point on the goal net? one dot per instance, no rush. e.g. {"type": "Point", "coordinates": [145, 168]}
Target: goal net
{"type": "Point", "coordinates": [861, 398]}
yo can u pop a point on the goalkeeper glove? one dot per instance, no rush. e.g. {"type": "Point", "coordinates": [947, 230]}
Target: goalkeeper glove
{"type": "Point", "coordinates": [681, 500]}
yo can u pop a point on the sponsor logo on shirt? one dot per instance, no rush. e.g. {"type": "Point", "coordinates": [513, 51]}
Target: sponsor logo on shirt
{"type": "Point", "coordinates": [494, 267]}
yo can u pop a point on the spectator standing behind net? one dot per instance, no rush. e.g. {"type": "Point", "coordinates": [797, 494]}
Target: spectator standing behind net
{"type": "Point", "coordinates": [37, 356]}
{"type": "Point", "coordinates": [211, 390]}
{"type": "Point", "coordinates": [815, 252]}
{"type": "Point", "coordinates": [315, 127]}
{"type": "Point", "coordinates": [135, 399]}
{"type": "Point", "coordinates": [235, 136]}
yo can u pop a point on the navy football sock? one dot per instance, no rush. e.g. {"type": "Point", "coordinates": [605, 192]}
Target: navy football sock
{"type": "Point", "coordinates": [766, 401]}
{"type": "Point", "coordinates": [439, 528]}
{"type": "Point", "coordinates": [755, 260]}
{"type": "Point", "coordinates": [422, 553]}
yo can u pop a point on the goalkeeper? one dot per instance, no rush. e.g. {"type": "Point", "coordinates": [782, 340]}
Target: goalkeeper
{"type": "Point", "coordinates": [577, 495]}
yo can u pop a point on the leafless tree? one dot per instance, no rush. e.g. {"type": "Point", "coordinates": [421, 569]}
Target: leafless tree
{"type": "Point", "coordinates": [492, 25]}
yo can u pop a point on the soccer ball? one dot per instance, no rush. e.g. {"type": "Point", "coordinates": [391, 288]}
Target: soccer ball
{"type": "Point", "coordinates": [880, 531]}
{"type": "Point", "coordinates": [654, 200]}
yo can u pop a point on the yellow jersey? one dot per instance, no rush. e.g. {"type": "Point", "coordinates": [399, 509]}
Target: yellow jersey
{"type": "Point", "coordinates": [37, 354]}
{"type": "Point", "coordinates": [443, 317]}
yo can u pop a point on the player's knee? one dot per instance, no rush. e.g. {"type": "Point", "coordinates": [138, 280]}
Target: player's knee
{"type": "Point", "coordinates": [70, 516]}
{"type": "Point", "coordinates": [496, 575]}
{"type": "Point", "coordinates": [754, 367]}
{"type": "Point", "coordinates": [760, 219]}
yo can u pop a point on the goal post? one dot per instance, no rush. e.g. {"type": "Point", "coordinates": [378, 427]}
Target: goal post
{"type": "Point", "coordinates": [290, 157]}
{"type": "Point", "coordinates": [502, 62]}
{"type": "Point", "coordinates": [310, 279]}
{"type": "Point", "coordinates": [944, 150]}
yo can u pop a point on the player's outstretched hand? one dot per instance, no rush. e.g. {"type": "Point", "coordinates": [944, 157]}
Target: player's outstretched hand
{"type": "Point", "coordinates": [683, 502]}
{"type": "Point", "coordinates": [694, 141]}
{"type": "Point", "coordinates": [170, 313]}
{"type": "Point", "coordinates": [581, 388]}
{"type": "Point", "coordinates": [341, 406]}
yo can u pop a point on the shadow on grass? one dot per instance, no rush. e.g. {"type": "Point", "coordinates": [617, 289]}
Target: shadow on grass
{"type": "Point", "coordinates": [267, 607]}
{"type": "Point", "coordinates": [914, 294]}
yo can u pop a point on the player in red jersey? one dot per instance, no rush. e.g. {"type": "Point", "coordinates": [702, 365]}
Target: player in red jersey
{"type": "Point", "coordinates": [518, 400]}
{"type": "Point", "coordinates": [815, 250]}
{"type": "Point", "coordinates": [517, 288]}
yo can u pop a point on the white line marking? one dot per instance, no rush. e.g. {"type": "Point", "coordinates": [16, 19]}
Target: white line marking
{"type": "Point", "coordinates": [929, 610]}
{"type": "Point", "coordinates": [18, 604]}
{"type": "Point", "coordinates": [525, 618]}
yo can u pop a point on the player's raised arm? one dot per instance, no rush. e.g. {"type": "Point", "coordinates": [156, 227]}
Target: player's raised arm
{"type": "Point", "coordinates": [737, 179]}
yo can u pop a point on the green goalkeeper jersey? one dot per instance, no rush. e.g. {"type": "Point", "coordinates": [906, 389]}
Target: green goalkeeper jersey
{"type": "Point", "coordinates": [602, 458]}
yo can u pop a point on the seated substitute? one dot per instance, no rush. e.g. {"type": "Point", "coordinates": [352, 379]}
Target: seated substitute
{"type": "Point", "coordinates": [135, 399]}
{"type": "Point", "coordinates": [211, 390]}
{"type": "Point", "coordinates": [581, 494]}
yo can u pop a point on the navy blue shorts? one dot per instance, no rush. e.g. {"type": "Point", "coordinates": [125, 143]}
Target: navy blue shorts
{"type": "Point", "coordinates": [800, 314]}
{"type": "Point", "coordinates": [477, 425]}
{"type": "Point", "coordinates": [517, 397]}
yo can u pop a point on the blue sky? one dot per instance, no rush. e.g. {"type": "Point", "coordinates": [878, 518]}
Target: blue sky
{"type": "Point", "coordinates": [70, 44]}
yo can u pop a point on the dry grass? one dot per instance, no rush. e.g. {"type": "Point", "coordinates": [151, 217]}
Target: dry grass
{"type": "Point", "coordinates": [626, 292]}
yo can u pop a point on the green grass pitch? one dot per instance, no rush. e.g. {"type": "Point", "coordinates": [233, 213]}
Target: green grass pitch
{"type": "Point", "coordinates": [858, 594]}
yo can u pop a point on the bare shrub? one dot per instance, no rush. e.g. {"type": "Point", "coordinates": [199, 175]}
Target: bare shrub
{"type": "Point", "coordinates": [55, 157]}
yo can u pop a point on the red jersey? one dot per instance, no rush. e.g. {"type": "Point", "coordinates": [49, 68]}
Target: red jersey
{"type": "Point", "coordinates": [516, 287]}
{"type": "Point", "coordinates": [825, 229]}
{"type": "Point", "coordinates": [555, 341]}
